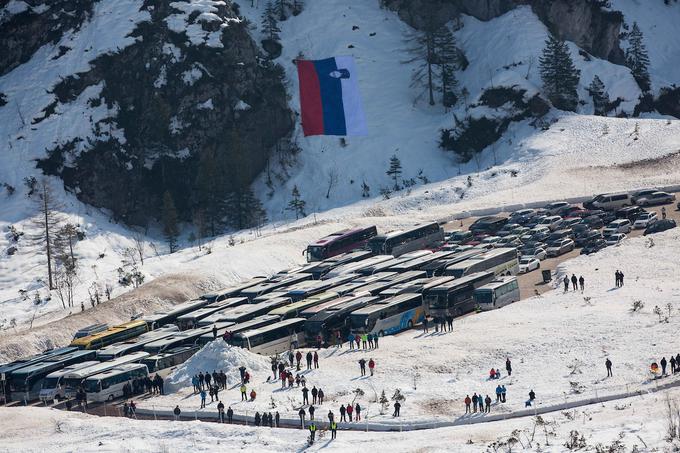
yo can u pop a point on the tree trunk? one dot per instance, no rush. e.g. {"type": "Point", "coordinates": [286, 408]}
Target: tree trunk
{"type": "Point", "coordinates": [47, 237]}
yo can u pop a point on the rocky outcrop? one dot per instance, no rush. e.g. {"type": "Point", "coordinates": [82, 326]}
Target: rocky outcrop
{"type": "Point", "coordinates": [668, 102]}
{"type": "Point", "coordinates": [584, 22]}
{"type": "Point", "coordinates": [192, 94]}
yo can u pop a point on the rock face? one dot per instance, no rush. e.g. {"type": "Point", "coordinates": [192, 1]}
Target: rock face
{"type": "Point", "coordinates": [193, 84]}
{"type": "Point", "coordinates": [581, 21]}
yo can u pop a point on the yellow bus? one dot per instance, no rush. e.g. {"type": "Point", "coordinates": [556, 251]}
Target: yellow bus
{"type": "Point", "coordinates": [293, 310]}
{"type": "Point", "coordinates": [111, 335]}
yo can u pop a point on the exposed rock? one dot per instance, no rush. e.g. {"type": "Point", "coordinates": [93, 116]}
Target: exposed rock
{"type": "Point", "coordinates": [668, 102]}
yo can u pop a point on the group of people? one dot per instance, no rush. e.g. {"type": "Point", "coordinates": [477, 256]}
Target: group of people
{"type": "Point", "coordinates": [362, 366]}
{"type": "Point", "coordinates": [144, 384]}
{"type": "Point", "coordinates": [364, 341]}
{"type": "Point", "coordinates": [266, 419]}
{"type": "Point", "coordinates": [476, 401]}
{"type": "Point", "coordinates": [129, 409]}
{"type": "Point", "coordinates": [618, 275]}
{"type": "Point", "coordinates": [441, 323]}
{"type": "Point", "coordinates": [205, 381]}
{"type": "Point", "coordinates": [575, 283]}
{"type": "Point", "coordinates": [674, 362]}
{"type": "Point", "coordinates": [311, 358]}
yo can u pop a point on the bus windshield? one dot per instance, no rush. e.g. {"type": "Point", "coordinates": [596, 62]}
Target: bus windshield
{"type": "Point", "coordinates": [484, 297]}
{"type": "Point", "coordinates": [92, 386]}
{"type": "Point", "coordinates": [50, 383]}
{"type": "Point", "coordinates": [358, 321]}
{"type": "Point", "coordinates": [435, 301]}
{"type": "Point", "coordinates": [316, 253]}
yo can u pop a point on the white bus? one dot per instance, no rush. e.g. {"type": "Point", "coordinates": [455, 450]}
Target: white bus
{"type": "Point", "coordinates": [52, 385]}
{"type": "Point", "coordinates": [72, 381]}
{"type": "Point", "coordinates": [500, 261]}
{"type": "Point", "coordinates": [399, 242]}
{"type": "Point", "coordinates": [169, 358]}
{"type": "Point", "coordinates": [455, 297]}
{"type": "Point", "coordinates": [498, 293]}
{"type": "Point", "coordinates": [388, 316]}
{"type": "Point", "coordinates": [190, 320]}
{"type": "Point", "coordinates": [108, 385]}
{"type": "Point", "coordinates": [137, 344]}
{"type": "Point", "coordinates": [272, 339]}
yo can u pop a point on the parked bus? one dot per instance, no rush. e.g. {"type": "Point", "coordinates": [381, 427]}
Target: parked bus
{"type": "Point", "coordinates": [293, 310]}
{"type": "Point", "coordinates": [387, 265]}
{"type": "Point", "coordinates": [418, 285]}
{"type": "Point", "coordinates": [499, 293]}
{"type": "Point", "coordinates": [341, 242]}
{"type": "Point", "coordinates": [232, 291]}
{"type": "Point", "coordinates": [335, 318]}
{"type": "Point", "coordinates": [169, 358]}
{"type": "Point", "coordinates": [500, 261]}
{"type": "Point", "coordinates": [455, 297]}
{"type": "Point", "coordinates": [190, 320]}
{"type": "Point", "coordinates": [26, 382]}
{"type": "Point", "coordinates": [136, 344]}
{"type": "Point", "coordinates": [320, 268]}
{"type": "Point", "coordinates": [108, 385]}
{"type": "Point", "coordinates": [111, 335]}
{"type": "Point", "coordinates": [71, 382]}
{"type": "Point", "coordinates": [245, 312]}
{"type": "Point", "coordinates": [185, 338]}
{"type": "Point", "coordinates": [418, 262]}
{"type": "Point", "coordinates": [375, 288]}
{"type": "Point", "coordinates": [276, 282]}
{"type": "Point", "coordinates": [51, 388]}
{"type": "Point", "coordinates": [388, 316]}
{"type": "Point", "coordinates": [255, 323]}
{"type": "Point", "coordinates": [357, 266]}
{"type": "Point", "coordinates": [312, 287]}
{"type": "Point", "coordinates": [160, 318]}
{"type": "Point", "coordinates": [399, 242]}
{"type": "Point", "coordinates": [273, 339]}
{"type": "Point", "coordinates": [437, 267]}
{"type": "Point", "coordinates": [90, 330]}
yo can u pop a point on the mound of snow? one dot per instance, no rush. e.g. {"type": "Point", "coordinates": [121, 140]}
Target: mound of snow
{"type": "Point", "coordinates": [217, 355]}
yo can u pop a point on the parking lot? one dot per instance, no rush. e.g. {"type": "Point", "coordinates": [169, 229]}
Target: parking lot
{"type": "Point", "coordinates": [532, 283]}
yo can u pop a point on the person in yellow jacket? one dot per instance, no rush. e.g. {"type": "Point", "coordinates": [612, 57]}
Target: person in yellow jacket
{"type": "Point", "coordinates": [334, 428]}
{"type": "Point", "coordinates": [244, 395]}
{"type": "Point", "coordinates": [312, 432]}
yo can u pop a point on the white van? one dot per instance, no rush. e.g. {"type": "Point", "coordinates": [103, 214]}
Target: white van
{"type": "Point", "coordinates": [611, 201]}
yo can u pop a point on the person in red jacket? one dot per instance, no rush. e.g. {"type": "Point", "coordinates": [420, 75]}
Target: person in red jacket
{"type": "Point", "coordinates": [371, 365]}
{"type": "Point", "coordinates": [492, 374]}
{"type": "Point", "coordinates": [350, 409]}
{"type": "Point", "coordinates": [468, 401]}
{"type": "Point", "coordinates": [298, 358]}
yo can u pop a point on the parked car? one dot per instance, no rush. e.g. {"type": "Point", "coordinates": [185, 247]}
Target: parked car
{"type": "Point", "coordinates": [635, 196]}
{"type": "Point", "coordinates": [508, 241]}
{"type": "Point", "coordinates": [570, 222]}
{"type": "Point", "coordinates": [560, 247]}
{"type": "Point", "coordinates": [507, 229]}
{"type": "Point", "coordinates": [554, 208]}
{"type": "Point", "coordinates": [537, 220]}
{"type": "Point", "coordinates": [461, 237]}
{"type": "Point", "coordinates": [593, 221]}
{"type": "Point", "coordinates": [534, 252]}
{"type": "Point", "coordinates": [580, 228]}
{"type": "Point", "coordinates": [522, 216]}
{"type": "Point", "coordinates": [568, 210]}
{"type": "Point", "coordinates": [659, 226]}
{"type": "Point", "coordinates": [540, 233]}
{"type": "Point", "coordinates": [629, 212]}
{"type": "Point", "coordinates": [588, 204]}
{"type": "Point", "coordinates": [645, 219]}
{"type": "Point", "coordinates": [490, 240]}
{"type": "Point", "coordinates": [656, 198]}
{"type": "Point", "coordinates": [617, 226]}
{"type": "Point", "coordinates": [586, 237]}
{"type": "Point", "coordinates": [594, 246]}
{"type": "Point", "coordinates": [611, 201]}
{"type": "Point", "coordinates": [553, 222]}
{"type": "Point", "coordinates": [615, 239]}
{"type": "Point", "coordinates": [528, 264]}
{"type": "Point", "coordinates": [562, 233]}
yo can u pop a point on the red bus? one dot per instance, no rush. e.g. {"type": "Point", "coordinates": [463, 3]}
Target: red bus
{"type": "Point", "coordinates": [341, 242]}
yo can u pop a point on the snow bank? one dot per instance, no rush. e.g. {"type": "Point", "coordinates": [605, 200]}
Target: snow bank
{"type": "Point", "coordinates": [217, 355]}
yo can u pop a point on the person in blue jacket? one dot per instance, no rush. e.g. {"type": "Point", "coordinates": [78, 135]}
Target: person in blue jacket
{"type": "Point", "coordinates": [350, 338]}
{"type": "Point", "coordinates": [499, 390]}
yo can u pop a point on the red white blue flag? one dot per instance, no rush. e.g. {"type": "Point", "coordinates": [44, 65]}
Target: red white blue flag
{"type": "Point", "coordinates": [329, 97]}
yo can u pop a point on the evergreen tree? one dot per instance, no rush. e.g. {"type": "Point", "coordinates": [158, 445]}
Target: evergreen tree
{"type": "Point", "coordinates": [270, 26]}
{"type": "Point", "coordinates": [560, 76]}
{"type": "Point", "coordinates": [394, 171]}
{"type": "Point", "coordinates": [47, 222]}
{"type": "Point", "coordinates": [170, 227]}
{"type": "Point", "coordinates": [448, 58]}
{"type": "Point", "coordinates": [281, 6]}
{"type": "Point", "coordinates": [637, 58]}
{"type": "Point", "coordinates": [600, 96]}
{"type": "Point", "coordinates": [365, 190]}
{"type": "Point", "coordinates": [423, 51]}
{"type": "Point", "coordinates": [297, 204]}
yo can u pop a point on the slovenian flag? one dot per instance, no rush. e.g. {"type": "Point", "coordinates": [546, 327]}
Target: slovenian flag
{"type": "Point", "coordinates": [329, 97]}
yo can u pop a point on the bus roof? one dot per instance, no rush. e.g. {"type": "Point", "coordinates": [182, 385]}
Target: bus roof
{"type": "Point", "coordinates": [276, 325]}
{"type": "Point", "coordinates": [53, 363]}
{"type": "Point", "coordinates": [309, 312]}
{"type": "Point", "coordinates": [84, 341]}
{"type": "Point", "coordinates": [117, 349]}
{"type": "Point", "coordinates": [212, 308]}
{"type": "Point", "coordinates": [170, 352]}
{"type": "Point", "coordinates": [304, 304]}
{"type": "Point", "coordinates": [103, 366]}
{"type": "Point", "coordinates": [343, 308]}
{"type": "Point", "coordinates": [232, 291]}
{"type": "Point", "coordinates": [72, 368]}
{"type": "Point", "coordinates": [276, 282]}
{"type": "Point", "coordinates": [13, 366]}
{"type": "Point", "coordinates": [116, 371]}
{"type": "Point", "coordinates": [339, 235]}
{"type": "Point", "coordinates": [458, 282]}
{"type": "Point", "coordinates": [384, 303]}
{"type": "Point", "coordinates": [413, 263]}
{"type": "Point", "coordinates": [236, 313]}
{"type": "Point", "coordinates": [235, 328]}
{"type": "Point", "coordinates": [410, 229]}
{"type": "Point", "coordinates": [175, 311]}
{"type": "Point", "coordinates": [316, 286]}
{"type": "Point", "coordinates": [481, 257]}
{"type": "Point", "coordinates": [497, 282]}
{"type": "Point", "coordinates": [356, 266]}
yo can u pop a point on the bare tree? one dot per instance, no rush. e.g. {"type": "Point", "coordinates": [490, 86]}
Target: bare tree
{"type": "Point", "coordinates": [140, 246]}
{"type": "Point", "coordinates": [48, 222]}
{"type": "Point", "coordinates": [332, 180]}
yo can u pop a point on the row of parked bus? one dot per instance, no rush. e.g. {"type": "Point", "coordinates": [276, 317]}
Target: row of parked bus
{"type": "Point", "coordinates": [384, 290]}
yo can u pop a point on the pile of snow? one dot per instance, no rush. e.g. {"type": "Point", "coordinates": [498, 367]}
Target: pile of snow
{"type": "Point", "coordinates": [217, 355]}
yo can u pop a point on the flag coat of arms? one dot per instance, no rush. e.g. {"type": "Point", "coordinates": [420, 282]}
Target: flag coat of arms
{"type": "Point", "coordinates": [329, 97]}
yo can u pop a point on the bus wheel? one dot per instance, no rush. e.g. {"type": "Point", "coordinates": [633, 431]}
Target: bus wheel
{"type": "Point", "coordinates": [410, 324]}
{"type": "Point", "coordinates": [381, 334]}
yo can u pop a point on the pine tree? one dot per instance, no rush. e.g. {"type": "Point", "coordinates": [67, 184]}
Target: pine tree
{"type": "Point", "coordinates": [170, 227]}
{"type": "Point", "coordinates": [423, 51]}
{"type": "Point", "coordinates": [448, 58]}
{"type": "Point", "coordinates": [600, 96]}
{"type": "Point", "coordinates": [384, 403]}
{"type": "Point", "coordinates": [270, 26]}
{"type": "Point", "coordinates": [365, 190]}
{"type": "Point", "coordinates": [297, 205]}
{"type": "Point", "coordinates": [560, 76]}
{"type": "Point", "coordinates": [395, 170]}
{"type": "Point", "coordinates": [637, 58]}
{"type": "Point", "coordinates": [281, 6]}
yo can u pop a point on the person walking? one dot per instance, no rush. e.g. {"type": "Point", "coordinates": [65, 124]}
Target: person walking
{"type": "Point", "coordinates": [244, 395]}
{"type": "Point", "coordinates": [574, 281]}
{"type": "Point", "coordinates": [357, 410]}
{"type": "Point", "coordinates": [487, 400]}
{"type": "Point", "coordinates": [608, 365]}
{"type": "Point", "coordinates": [230, 415]}
{"type": "Point", "coordinates": [397, 408]}
{"type": "Point", "coordinates": [334, 429]}
{"type": "Point", "coordinates": [371, 365]}
{"type": "Point", "coordinates": [201, 380]}
{"type": "Point", "coordinates": [582, 282]}
{"type": "Point", "coordinates": [305, 395]}
{"type": "Point", "coordinates": [566, 283]}
{"type": "Point", "coordinates": [375, 341]}
{"type": "Point", "coordinates": [253, 395]}
{"type": "Point", "coordinates": [312, 432]}
{"type": "Point", "coordinates": [532, 396]}
{"type": "Point", "coordinates": [301, 414]}
{"type": "Point", "coordinates": [508, 366]}
{"type": "Point", "coordinates": [214, 331]}
{"type": "Point", "coordinates": [316, 360]}
{"type": "Point", "coordinates": [467, 404]}
{"type": "Point", "coordinates": [350, 411]}
{"type": "Point", "coordinates": [342, 413]}
{"type": "Point", "coordinates": [663, 364]}
{"type": "Point", "coordinates": [194, 382]}
{"type": "Point", "coordinates": [362, 366]}
{"type": "Point", "coordinates": [177, 412]}
{"type": "Point", "coordinates": [271, 420]}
